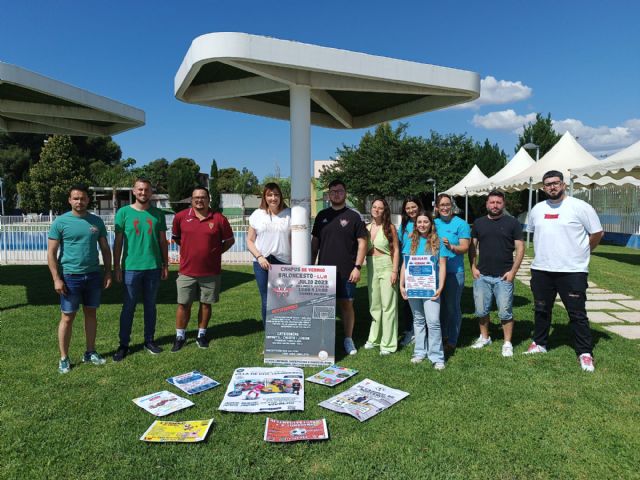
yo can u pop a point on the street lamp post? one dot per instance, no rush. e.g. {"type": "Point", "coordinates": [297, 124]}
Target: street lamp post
{"type": "Point", "coordinates": [531, 146]}
{"type": "Point", "coordinates": [431, 180]}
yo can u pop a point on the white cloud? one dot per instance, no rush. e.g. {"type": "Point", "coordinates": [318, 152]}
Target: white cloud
{"type": "Point", "coordinates": [503, 120]}
{"type": "Point", "coordinates": [498, 92]}
{"type": "Point", "coordinates": [602, 139]}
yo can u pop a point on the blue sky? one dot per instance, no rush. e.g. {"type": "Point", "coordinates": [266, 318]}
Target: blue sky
{"type": "Point", "coordinates": [578, 60]}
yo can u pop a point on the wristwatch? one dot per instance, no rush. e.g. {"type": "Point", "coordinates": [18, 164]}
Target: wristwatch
{"type": "Point", "coordinates": [359, 267]}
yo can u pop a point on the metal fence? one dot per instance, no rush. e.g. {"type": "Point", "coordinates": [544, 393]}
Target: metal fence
{"type": "Point", "coordinates": [618, 207]}
{"type": "Point", "coordinates": [25, 241]}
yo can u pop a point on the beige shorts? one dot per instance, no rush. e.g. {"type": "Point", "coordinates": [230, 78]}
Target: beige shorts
{"type": "Point", "coordinates": [188, 287]}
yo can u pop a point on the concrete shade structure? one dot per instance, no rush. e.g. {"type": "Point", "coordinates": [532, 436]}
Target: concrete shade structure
{"type": "Point", "coordinates": [312, 85]}
{"type": "Point", "coordinates": [32, 103]}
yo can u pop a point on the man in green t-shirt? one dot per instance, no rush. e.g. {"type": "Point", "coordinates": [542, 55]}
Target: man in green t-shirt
{"type": "Point", "coordinates": [141, 259]}
{"type": "Point", "coordinates": [76, 272]}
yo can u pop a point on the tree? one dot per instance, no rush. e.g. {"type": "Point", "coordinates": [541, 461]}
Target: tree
{"type": "Point", "coordinates": [214, 193]}
{"type": "Point", "coordinates": [14, 167]}
{"type": "Point", "coordinates": [102, 149]}
{"type": "Point", "coordinates": [156, 172]}
{"type": "Point", "coordinates": [49, 180]}
{"type": "Point", "coordinates": [490, 158]}
{"type": "Point", "coordinates": [181, 178]}
{"type": "Point", "coordinates": [248, 184]}
{"type": "Point", "coordinates": [541, 133]}
{"type": "Point", "coordinates": [228, 179]}
{"type": "Point", "coordinates": [386, 162]}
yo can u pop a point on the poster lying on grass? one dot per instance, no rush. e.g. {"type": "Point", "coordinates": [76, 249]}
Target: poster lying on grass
{"type": "Point", "coordinates": [281, 431]}
{"type": "Point", "coordinates": [420, 276]}
{"type": "Point", "coordinates": [161, 431]}
{"type": "Point", "coordinates": [301, 315]}
{"type": "Point", "coordinates": [332, 376]}
{"type": "Point", "coordinates": [263, 389]}
{"type": "Point", "coordinates": [192, 382]}
{"type": "Point", "coordinates": [162, 403]}
{"type": "Point", "coordinates": [364, 399]}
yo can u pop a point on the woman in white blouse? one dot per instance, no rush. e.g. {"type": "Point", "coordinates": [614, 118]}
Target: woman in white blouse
{"type": "Point", "coordinates": [269, 237]}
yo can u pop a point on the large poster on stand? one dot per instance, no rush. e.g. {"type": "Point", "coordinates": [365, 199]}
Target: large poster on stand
{"type": "Point", "coordinates": [301, 315]}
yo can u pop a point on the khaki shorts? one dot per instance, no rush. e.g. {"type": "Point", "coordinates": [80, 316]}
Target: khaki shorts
{"type": "Point", "coordinates": [188, 289]}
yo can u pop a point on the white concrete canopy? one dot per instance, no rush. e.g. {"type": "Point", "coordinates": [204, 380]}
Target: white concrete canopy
{"type": "Point", "coordinates": [32, 103]}
{"type": "Point", "coordinates": [312, 85]}
{"type": "Point", "coordinates": [253, 74]}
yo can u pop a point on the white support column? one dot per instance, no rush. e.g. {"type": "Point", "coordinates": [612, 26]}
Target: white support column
{"type": "Point", "coordinates": [300, 102]}
{"type": "Point", "coordinates": [529, 210]}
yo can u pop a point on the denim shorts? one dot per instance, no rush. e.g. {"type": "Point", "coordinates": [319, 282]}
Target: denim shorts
{"type": "Point", "coordinates": [345, 290]}
{"type": "Point", "coordinates": [85, 288]}
{"type": "Point", "coordinates": [486, 287]}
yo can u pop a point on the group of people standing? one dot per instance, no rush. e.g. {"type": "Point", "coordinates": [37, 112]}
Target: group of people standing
{"type": "Point", "coordinates": [565, 231]}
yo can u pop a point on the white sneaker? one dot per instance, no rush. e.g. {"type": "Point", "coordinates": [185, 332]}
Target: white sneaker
{"type": "Point", "coordinates": [507, 349]}
{"type": "Point", "coordinates": [438, 366]}
{"type": "Point", "coordinates": [535, 348]}
{"type": "Point", "coordinates": [586, 362]}
{"type": "Point", "coordinates": [417, 359]}
{"type": "Point", "coordinates": [408, 339]}
{"type": "Point", "coordinates": [349, 346]}
{"type": "Point", "coordinates": [369, 346]}
{"type": "Point", "coordinates": [385, 352]}
{"type": "Point", "coordinates": [481, 342]}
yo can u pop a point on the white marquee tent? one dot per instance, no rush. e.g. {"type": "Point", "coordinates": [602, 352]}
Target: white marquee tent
{"type": "Point", "coordinates": [565, 155]}
{"type": "Point", "coordinates": [622, 168]}
{"type": "Point", "coordinates": [520, 162]}
{"type": "Point", "coordinates": [460, 189]}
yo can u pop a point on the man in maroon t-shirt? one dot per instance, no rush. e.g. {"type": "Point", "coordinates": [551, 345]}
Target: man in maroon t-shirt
{"type": "Point", "coordinates": [203, 236]}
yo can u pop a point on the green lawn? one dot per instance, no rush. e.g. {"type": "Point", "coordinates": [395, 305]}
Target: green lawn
{"type": "Point", "coordinates": [482, 417]}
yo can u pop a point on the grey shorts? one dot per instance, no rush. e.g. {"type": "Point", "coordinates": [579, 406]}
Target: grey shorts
{"type": "Point", "coordinates": [188, 287]}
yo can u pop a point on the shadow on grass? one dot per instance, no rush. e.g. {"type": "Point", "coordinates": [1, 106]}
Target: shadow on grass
{"type": "Point", "coordinates": [631, 258]}
{"type": "Point", "coordinates": [39, 286]}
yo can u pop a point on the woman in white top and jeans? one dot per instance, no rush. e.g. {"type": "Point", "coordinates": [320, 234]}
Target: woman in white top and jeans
{"type": "Point", "coordinates": [269, 237]}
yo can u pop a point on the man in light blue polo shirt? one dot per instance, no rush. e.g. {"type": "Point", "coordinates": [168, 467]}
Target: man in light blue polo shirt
{"type": "Point", "coordinates": [77, 275]}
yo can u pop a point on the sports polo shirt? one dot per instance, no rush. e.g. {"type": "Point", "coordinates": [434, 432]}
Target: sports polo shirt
{"type": "Point", "coordinates": [201, 242]}
{"type": "Point", "coordinates": [78, 237]}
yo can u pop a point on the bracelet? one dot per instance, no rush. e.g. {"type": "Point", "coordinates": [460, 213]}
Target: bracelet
{"type": "Point", "coordinates": [259, 256]}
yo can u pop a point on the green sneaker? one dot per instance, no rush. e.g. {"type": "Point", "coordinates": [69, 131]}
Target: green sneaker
{"type": "Point", "coordinates": [64, 365]}
{"type": "Point", "coordinates": [93, 357]}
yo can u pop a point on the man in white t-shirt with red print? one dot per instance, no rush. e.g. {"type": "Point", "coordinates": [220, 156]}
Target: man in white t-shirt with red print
{"type": "Point", "coordinates": [565, 232]}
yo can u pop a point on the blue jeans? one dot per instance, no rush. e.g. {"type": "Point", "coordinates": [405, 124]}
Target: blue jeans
{"type": "Point", "coordinates": [485, 288]}
{"type": "Point", "coordinates": [426, 316]}
{"type": "Point", "coordinates": [136, 282]}
{"type": "Point", "coordinates": [451, 313]}
{"type": "Point", "coordinates": [262, 279]}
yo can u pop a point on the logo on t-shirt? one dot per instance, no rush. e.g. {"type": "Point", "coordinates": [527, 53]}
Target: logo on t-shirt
{"type": "Point", "coordinates": [93, 229]}
{"type": "Point", "coordinates": [551, 216]}
{"type": "Point", "coordinates": [135, 225]}
{"type": "Point", "coordinates": [210, 225]}
{"type": "Point", "coordinates": [344, 222]}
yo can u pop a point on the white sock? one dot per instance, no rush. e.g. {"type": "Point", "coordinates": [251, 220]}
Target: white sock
{"type": "Point", "coordinates": [181, 333]}
{"type": "Point", "coordinates": [202, 332]}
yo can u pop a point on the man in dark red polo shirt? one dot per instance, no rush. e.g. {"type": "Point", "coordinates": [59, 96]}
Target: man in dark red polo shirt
{"type": "Point", "coordinates": [203, 236]}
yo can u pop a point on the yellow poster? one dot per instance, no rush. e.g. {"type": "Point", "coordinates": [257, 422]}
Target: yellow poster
{"type": "Point", "coordinates": [183, 432]}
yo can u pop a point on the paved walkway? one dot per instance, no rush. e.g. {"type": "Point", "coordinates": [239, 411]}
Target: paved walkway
{"type": "Point", "coordinates": [619, 314]}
